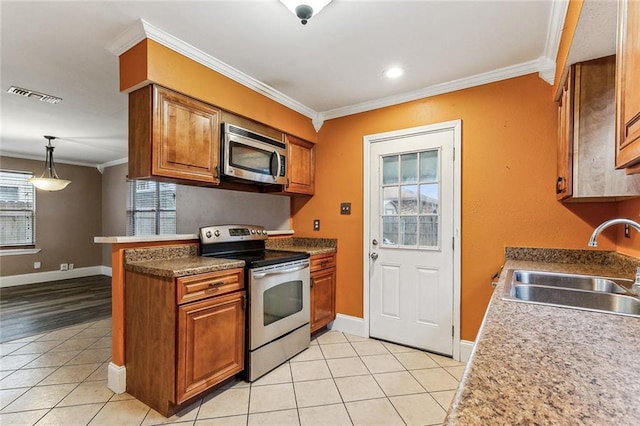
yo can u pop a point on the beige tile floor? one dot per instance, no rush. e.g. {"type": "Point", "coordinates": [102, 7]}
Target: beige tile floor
{"type": "Point", "coordinates": [59, 378]}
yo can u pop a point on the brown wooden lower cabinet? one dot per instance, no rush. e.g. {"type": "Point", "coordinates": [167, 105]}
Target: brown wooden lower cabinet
{"type": "Point", "coordinates": [174, 352]}
{"type": "Point", "coordinates": [323, 290]}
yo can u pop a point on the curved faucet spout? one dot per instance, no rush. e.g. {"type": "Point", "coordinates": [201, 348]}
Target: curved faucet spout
{"type": "Point", "coordinates": [593, 240]}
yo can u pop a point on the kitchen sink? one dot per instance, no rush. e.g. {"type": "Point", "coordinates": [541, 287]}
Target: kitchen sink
{"type": "Point", "coordinates": [591, 293]}
{"type": "Point", "coordinates": [577, 282]}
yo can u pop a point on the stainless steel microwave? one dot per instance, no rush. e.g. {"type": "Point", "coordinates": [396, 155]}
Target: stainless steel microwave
{"type": "Point", "coordinates": [252, 157]}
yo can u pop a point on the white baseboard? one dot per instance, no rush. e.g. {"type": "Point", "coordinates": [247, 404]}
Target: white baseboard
{"type": "Point", "coordinates": [349, 324]}
{"type": "Point", "coordinates": [466, 347]}
{"type": "Point", "coordinates": [106, 270]}
{"type": "Point", "coordinates": [117, 378]}
{"type": "Point", "coordinates": [39, 277]}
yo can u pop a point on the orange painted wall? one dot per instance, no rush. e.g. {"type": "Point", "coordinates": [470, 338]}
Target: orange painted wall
{"type": "Point", "coordinates": [150, 61]}
{"type": "Point", "coordinates": [629, 246]}
{"type": "Point", "coordinates": [508, 175]}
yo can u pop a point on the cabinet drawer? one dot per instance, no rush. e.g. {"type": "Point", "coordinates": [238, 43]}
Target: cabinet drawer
{"type": "Point", "coordinates": [322, 261]}
{"type": "Point", "coordinates": [199, 286]}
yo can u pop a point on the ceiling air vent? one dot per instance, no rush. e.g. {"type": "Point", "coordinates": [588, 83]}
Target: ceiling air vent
{"type": "Point", "coordinates": [31, 94]}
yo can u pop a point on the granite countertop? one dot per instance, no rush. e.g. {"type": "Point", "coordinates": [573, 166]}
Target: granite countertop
{"type": "Point", "coordinates": [535, 364]}
{"type": "Point", "coordinates": [175, 261]}
{"type": "Point", "coordinates": [183, 260]}
{"type": "Point", "coordinates": [313, 246]}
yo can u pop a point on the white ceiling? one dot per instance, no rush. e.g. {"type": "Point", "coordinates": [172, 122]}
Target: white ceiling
{"type": "Point", "coordinates": [333, 66]}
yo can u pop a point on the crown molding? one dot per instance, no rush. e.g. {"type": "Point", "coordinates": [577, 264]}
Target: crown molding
{"type": "Point", "coordinates": [544, 66]}
{"type": "Point", "coordinates": [437, 89]}
{"type": "Point", "coordinates": [103, 166]}
{"type": "Point", "coordinates": [127, 39]}
{"type": "Point", "coordinates": [554, 33]}
{"type": "Point", "coordinates": [132, 36]}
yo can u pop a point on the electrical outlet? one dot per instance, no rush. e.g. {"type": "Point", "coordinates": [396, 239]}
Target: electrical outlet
{"type": "Point", "coordinates": [64, 266]}
{"type": "Point", "coordinates": [345, 208]}
{"type": "Point", "coordinates": [626, 231]}
{"type": "Point", "coordinates": [36, 265]}
{"type": "Point", "coordinates": [316, 224]}
{"type": "Point", "coordinates": [70, 266]}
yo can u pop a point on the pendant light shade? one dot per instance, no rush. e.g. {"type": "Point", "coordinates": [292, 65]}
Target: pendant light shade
{"type": "Point", "coordinates": [305, 9]}
{"type": "Point", "coordinates": [49, 180]}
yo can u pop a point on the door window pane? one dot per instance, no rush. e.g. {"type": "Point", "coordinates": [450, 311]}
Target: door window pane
{"type": "Point", "coordinates": [428, 166]}
{"type": "Point", "coordinates": [429, 198]}
{"type": "Point", "coordinates": [282, 301]}
{"type": "Point", "coordinates": [410, 200]}
{"type": "Point", "coordinates": [409, 230]}
{"type": "Point", "coordinates": [429, 231]}
{"type": "Point", "coordinates": [409, 168]}
{"type": "Point", "coordinates": [390, 230]}
{"type": "Point", "coordinates": [390, 200]}
{"type": "Point", "coordinates": [390, 170]}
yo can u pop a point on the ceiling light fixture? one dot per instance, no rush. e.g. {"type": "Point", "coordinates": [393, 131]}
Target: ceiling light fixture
{"type": "Point", "coordinates": [394, 72]}
{"type": "Point", "coordinates": [305, 9]}
{"type": "Point", "coordinates": [49, 181]}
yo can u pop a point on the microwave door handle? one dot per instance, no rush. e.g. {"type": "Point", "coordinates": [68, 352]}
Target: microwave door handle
{"type": "Point", "coordinates": [277, 171]}
{"type": "Point", "coordinates": [286, 271]}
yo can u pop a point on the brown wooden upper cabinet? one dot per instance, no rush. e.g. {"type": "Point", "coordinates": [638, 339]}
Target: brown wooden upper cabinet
{"type": "Point", "coordinates": [628, 86]}
{"type": "Point", "coordinates": [301, 166]}
{"type": "Point", "coordinates": [172, 137]}
{"type": "Point", "coordinates": [586, 162]}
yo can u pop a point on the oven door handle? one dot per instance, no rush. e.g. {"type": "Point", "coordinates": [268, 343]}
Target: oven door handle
{"type": "Point", "coordinates": [284, 271]}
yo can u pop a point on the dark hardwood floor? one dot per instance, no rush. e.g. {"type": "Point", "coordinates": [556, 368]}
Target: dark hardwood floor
{"type": "Point", "coordinates": [31, 309]}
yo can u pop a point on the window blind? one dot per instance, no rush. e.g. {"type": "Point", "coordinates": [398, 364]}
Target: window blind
{"type": "Point", "coordinates": [151, 208]}
{"type": "Point", "coordinates": [17, 209]}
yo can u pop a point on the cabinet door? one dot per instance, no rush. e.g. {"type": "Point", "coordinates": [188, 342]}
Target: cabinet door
{"type": "Point", "coordinates": [210, 343]}
{"type": "Point", "coordinates": [186, 140]}
{"type": "Point", "coordinates": [628, 85]}
{"type": "Point", "coordinates": [564, 182]}
{"type": "Point", "coordinates": [301, 166]}
{"type": "Point", "coordinates": [323, 299]}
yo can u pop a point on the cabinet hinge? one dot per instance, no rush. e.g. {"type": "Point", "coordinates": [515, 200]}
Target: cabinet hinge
{"type": "Point", "coordinates": [452, 330]}
{"type": "Point", "coordinates": [453, 243]}
{"type": "Point", "coordinates": [244, 302]}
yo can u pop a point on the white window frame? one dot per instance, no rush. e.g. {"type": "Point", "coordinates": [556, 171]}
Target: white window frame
{"type": "Point", "coordinates": [26, 247]}
{"type": "Point", "coordinates": [132, 208]}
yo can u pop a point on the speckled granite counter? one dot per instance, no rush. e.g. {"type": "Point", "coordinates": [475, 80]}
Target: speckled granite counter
{"type": "Point", "coordinates": [313, 246]}
{"type": "Point", "coordinates": [180, 261]}
{"type": "Point", "coordinates": [172, 262]}
{"type": "Point", "coordinates": [535, 364]}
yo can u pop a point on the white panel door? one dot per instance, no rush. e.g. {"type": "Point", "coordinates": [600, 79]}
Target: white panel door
{"type": "Point", "coordinates": [411, 240]}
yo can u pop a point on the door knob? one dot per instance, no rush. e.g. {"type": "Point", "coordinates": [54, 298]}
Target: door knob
{"type": "Point", "coordinates": [374, 242]}
{"type": "Point", "coordinates": [374, 256]}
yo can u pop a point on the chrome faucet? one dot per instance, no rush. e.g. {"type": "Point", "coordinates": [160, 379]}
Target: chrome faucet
{"type": "Point", "coordinates": [608, 223]}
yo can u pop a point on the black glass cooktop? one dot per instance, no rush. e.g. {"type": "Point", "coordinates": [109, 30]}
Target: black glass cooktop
{"type": "Point", "coordinates": [258, 259]}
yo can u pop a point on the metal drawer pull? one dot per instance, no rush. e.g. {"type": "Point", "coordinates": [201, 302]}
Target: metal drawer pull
{"type": "Point", "coordinates": [214, 286]}
{"type": "Point", "coordinates": [286, 271]}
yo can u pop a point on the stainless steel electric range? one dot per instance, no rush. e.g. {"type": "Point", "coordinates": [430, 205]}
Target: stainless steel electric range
{"type": "Point", "coordinates": [277, 284]}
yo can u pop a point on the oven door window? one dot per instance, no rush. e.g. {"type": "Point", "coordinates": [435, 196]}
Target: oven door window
{"type": "Point", "coordinates": [282, 301]}
{"type": "Point", "coordinates": [251, 158]}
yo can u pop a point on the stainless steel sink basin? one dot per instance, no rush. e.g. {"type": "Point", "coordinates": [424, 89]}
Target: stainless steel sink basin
{"type": "Point", "coordinates": [588, 300]}
{"type": "Point", "coordinates": [578, 282]}
{"type": "Point", "coordinates": [591, 293]}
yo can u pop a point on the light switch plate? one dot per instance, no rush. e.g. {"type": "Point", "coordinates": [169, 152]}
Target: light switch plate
{"type": "Point", "coordinates": [316, 224]}
{"type": "Point", "coordinates": [345, 208]}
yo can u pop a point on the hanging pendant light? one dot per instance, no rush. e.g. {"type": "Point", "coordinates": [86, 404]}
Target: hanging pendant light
{"type": "Point", "coordinates": [49, 181]}
{"type": "Point", "coordinates": [305, 9]}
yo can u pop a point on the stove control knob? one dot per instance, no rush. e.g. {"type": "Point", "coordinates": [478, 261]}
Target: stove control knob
{"type": "Point", "coordinates": [253, 231]}
{"type": "Point", "coordinates": [208, 234]}
{"type": "Point", "coordinates": [217, 233]}
{"type": "Point", "coordinates": [264, 232]}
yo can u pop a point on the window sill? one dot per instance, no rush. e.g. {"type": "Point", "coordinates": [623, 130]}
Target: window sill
{"type": "Point", "coordinates": [17, 252]}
